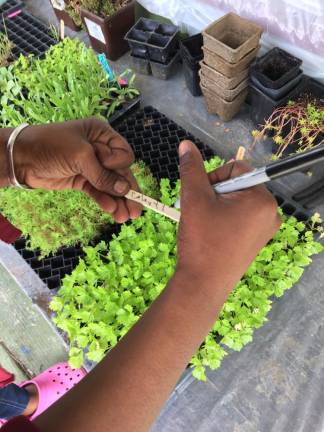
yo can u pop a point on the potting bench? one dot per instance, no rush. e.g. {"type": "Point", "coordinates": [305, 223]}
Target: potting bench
{"type": "Point", "coordinates": [275, 383]}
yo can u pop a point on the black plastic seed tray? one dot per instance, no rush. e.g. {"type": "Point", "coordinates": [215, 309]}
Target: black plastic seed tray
{"type": "Point", "coordinates": [150, 39]}
{"type": "Point", "coordinates": [29, 34]}
{"type": "Point", "coordinates": [155, 140]}
{"type": "Point", "coordinates": [10, 7]}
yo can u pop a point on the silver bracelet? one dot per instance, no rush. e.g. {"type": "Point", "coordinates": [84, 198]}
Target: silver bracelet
{"type": "Point", "coordinates": [10, 146]}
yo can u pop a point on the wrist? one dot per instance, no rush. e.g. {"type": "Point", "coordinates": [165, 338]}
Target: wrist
{"type": "Point", "coordinates": [4, 158]}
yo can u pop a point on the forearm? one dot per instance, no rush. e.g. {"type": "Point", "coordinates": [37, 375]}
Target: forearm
{"type": "Point", "coordinates": [4, 172]}
{"type": "Point", "coordinates": [127, 390]}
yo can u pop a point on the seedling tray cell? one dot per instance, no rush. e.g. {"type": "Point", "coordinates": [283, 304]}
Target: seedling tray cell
{"type": "Point", "coordinates": [10, 6]}
{"type": "Point", "coordinates": [29, 34]}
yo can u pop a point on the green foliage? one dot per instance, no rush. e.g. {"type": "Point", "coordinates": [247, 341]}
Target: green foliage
{"type": "Point", "coordinates": [52, 219]}
{"type": "Point", "coordinates": [111, 289]}
{"type": "Point", "coordinates": [67, 84]}
{"type": "Point", "coordinates": [6, 47]}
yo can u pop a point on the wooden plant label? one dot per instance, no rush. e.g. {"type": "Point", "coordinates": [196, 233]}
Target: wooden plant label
{"type": "Point", "coordinates": [154, 205]}
{"type": "Point", "coordinates": [58, 4]}
{"type": "Point", "coordinates": [95, 30]}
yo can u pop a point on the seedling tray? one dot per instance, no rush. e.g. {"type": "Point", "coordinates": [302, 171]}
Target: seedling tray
{"type": "Point", "coordinates": [29, 35]}
{"type": "Point", "coordinates": [276, 94]}
{"type": "Point", "coordinates": [228, 69]}
{"type": "Point", "coordinates": [141, 65]}
{"type": "Point", "coordinates": [148, 38]}
{"type": "Point", "coordinates": [10, 6]}
{"type": "Point", "coordinates": [155, 140]}
{"type": "Point", "coordinates": [125, 111]}
{"type": "Point", "coordinates": [232, 37]}
{"type": "Point", "coordinates": [276, 68]}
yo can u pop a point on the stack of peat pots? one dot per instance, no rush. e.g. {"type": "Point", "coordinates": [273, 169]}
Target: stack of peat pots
{"type": "Point", "coordinates": [275, 78]}
{"type": "Point", "coordinates": [154, 48]}
{"type": "Point", "coordinates": [230, 45]}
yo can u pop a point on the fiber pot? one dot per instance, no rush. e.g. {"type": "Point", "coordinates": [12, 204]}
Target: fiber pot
{"type": "Point", "coordinates": [107, 34]}
{"type": "Point", "coordinates": [227, 95]}
{"type": "Point", "coordinates": [228, 69]}
{"type": "Point", "coordinates": [232, 37]}
{"type": "Point", "coordinates": [217, 105]}
{"type": "Point", "coordinates": [223, 80]}
{"type": "Point", "coordinates": [62, 15]}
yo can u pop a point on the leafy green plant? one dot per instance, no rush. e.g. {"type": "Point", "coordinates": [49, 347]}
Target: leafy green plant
{"type": "Point", "coordinates": [67, 84]}
{"type": "Point", "coordinates": [298, 126]}
{"type": "Point", "coordinates": [102, 8]}
{"type": "Point", "coordinates": [6, 47]}
{"type": "Point", "coordinates": [113, 286]}
{"type": "Point", "coordinates": [52, 219]}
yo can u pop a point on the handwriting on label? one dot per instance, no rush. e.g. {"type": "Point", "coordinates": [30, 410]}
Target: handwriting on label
{"type": "Point", "coordinates": [154, 205]}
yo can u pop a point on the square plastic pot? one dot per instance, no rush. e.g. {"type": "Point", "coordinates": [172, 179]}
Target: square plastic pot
{"type": "Point", "coordinates": [217, 105]}
{"type": "Point", "coordinates": [276, 94]}
{"type": "Point", "coordinates": [125, 111]}
{"type": "Point", "coordinates": [107, 35]}
{"type": "Point", "coordinates": [141, 65]}
{"type": "Point", "coordinates": [227, 95]}
{"type": "Point", "coordinates": [165, 71]}
{"type": "Point", "coordinates": [232, 37]}
{"type": "Point", "coordinates": [68, 21]}
{"type": "Point", "coordinates": [191, 49]}
{"type": "Point", "coordinates": [191, 74]}
{"type": "Point", "coordinates": [228, 69]}
{"type": "Point", "coordinates": [156, 41]}
{"type": "Point", "coordinates": [223, 80]}
{"type": "Point", "coordinates": [262, 105]}
{"type": "Point", "coordinates": [276, 68]}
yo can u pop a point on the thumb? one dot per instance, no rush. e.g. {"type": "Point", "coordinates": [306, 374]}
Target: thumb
{"type": "Point", "coordinates": [103, 179]}
{"type": "Point", "coordinates": [194, 180]}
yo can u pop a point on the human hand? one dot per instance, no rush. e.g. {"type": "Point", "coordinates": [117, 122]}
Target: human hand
{"type": "Point", "coordinates": [220, 234]}
{"type": "Point", "coordinates": [87, 155]}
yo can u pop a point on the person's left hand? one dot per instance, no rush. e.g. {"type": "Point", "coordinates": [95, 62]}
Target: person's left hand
{"type": "Point", "coordinates": [87, 155]}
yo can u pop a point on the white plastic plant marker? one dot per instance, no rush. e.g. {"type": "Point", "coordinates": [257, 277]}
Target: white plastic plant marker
{"type": "Point", "coordinates": [154, 205]}
{"type": "Point", "coordinates": [58, 4]}
{"type": "Point", "coordinates": [95, 30]}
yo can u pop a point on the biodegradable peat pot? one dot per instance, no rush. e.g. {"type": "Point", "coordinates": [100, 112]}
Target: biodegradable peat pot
{"type": "Point", "coordinates": [217, 105]}
{"type": "Point", "coordinates": [227, 95]}
{"type": "Point", "coordinates": [58, 7]}
{"type": "Point", "coordinates": [276, 68]}
{"type": "Point", "coordinates": [276, 94]}
{"type": "Point", "coordinates": [223, 80]}
{"type": "Point", "coordinates": [232, 37]}
{"type": "Point", "coordinates": [228, 69]}
{"type": "Point", "coordinates": [107, 34]}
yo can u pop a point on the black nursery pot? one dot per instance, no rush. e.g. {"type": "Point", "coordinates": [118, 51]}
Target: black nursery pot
{"type": "Point", "coordinates": [165, 71]}
{"type": "Point", "coordinates": [276, 68]}
{"type": "Point", "coordinates": [191, 49]}
{"type": "Point", "coordinates": [263, 105]}
{"type": "Point", "coordinates": [141, 65]}
{"type": "Point", "coordinates": [191, 74]}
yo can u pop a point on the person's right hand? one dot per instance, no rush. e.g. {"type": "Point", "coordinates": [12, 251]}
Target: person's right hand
{"type": "Point", "coordinates": [220, 234]}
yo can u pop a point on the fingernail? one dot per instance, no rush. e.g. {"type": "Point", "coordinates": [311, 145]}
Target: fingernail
{"type": "Point", "coordinates": [120, 186]}
{"type": "Point", "coordinates": [184, 148]}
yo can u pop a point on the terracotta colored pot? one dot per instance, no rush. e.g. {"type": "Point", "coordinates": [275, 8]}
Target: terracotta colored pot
{"type": "Point", "coordinates": [107, 34]}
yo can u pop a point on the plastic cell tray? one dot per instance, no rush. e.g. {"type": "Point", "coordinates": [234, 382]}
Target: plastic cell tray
{"type": "Point", "coordinates": [29, 35]}
{"type": "Point", "coordinates": [150, 39]}
{"type": "Point", "coordinates": [155, 140]}
{"type": "Point", "coordinates": [10, 6]}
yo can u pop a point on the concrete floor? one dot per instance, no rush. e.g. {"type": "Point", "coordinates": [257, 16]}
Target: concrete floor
{"type": "Point", "coordinates": [275, 383]}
